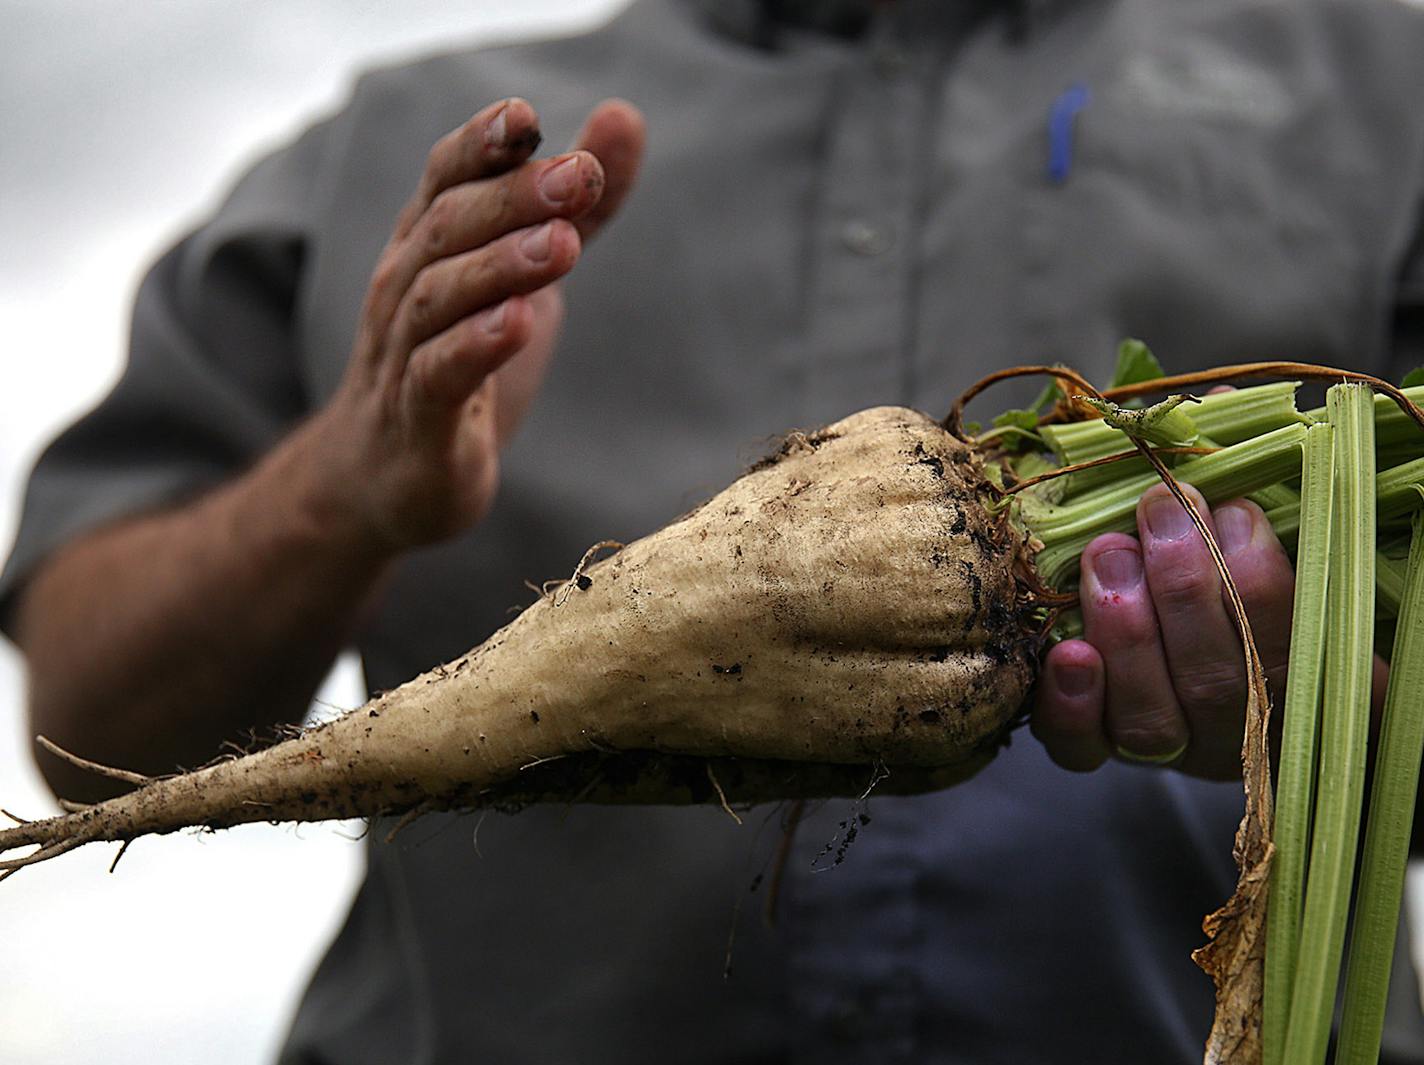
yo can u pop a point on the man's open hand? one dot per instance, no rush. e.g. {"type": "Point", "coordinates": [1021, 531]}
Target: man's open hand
{"type": "Point", "coordinates": [460, 319]}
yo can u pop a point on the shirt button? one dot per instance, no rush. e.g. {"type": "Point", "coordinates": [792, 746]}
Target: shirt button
{"type": "Point", "coordinates": [866, 238]}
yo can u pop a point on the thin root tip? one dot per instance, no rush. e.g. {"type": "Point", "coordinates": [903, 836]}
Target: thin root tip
{"type": "Point", "coordinates": [43, 854]}
{"type": "Point", "coordinates": [125, 775]}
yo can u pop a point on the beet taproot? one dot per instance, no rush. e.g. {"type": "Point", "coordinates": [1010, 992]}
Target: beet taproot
{"type": "Point", "coordinates": [853, 601]}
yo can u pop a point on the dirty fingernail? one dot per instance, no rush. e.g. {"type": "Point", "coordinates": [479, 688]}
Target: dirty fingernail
{"type": "Point", "coordinates": [496, 131]}
{"type": "Point", "coordinates": [1235, 525]}
{"type": "Point", "coordinates": [559, 181]}
{"type": "Point", "coordinates": [1167, 519]}
{"type": "Point", "coordinates": [1118, 570]}
{"type": "Point", "coordinates": [535, 243]}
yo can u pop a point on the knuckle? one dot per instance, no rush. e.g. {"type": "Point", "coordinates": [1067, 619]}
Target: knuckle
{"type": "Point", "coordinates": [1122, 627]}
{"type": "Point", "coordinates": [484, 271]}
{"type": "Point", "coordinates": [449, 366]}
{"type": "Point", "coordinates": [384, 277]}
{"type": "Point", "coordinates": [500, 199]}
{"type": "Point", "coordinates": [1218, 686]}
{"type": "Point", "coordinates": [420, 302]}
{"type": "Point", "coordinates": [439, 222]}
{"type": "Point", "coordinates": [1182, 588]}
{"type": "Point", "coordinates": [423, 372]}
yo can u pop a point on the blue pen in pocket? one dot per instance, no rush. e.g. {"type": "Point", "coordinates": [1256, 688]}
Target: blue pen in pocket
{"type": "Point", "coordinates": [1061, 120]}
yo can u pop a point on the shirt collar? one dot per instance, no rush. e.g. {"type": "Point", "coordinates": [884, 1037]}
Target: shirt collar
{"type": "Point", "coordinates": [756, 21]}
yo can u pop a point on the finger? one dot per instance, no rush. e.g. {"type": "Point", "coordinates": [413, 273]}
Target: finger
{"type": "Point", "coordinates": [495, 140]}
{"type": "Point", "coordinates": [451, 289]}
{"type": "Point", "coordinates": [1265, 581]}
{"type": "Point", "coordinates": [615, 133]}
{"type": "Point", "coordinates": [1068, 707]}
{"type": "Point", "coordinates": [1199, 637]}
{"type": "Point", "coordinates": [1143, 719]}
{"type": "Point", "coordinates": [447, 370]}
{"type": "Point", "coordinates": [520, 378]}
{"type": "Point", "coordinates": [466, 217]}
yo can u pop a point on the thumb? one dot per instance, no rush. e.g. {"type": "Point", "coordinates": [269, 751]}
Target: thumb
{"type": "Point", "coordinates": [615, 133]}
{"type": "Point", "coordinates": [519, 379]}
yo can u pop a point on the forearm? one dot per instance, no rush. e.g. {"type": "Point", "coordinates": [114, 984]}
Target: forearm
{"type": "Point", "coordinates": [151, 642]}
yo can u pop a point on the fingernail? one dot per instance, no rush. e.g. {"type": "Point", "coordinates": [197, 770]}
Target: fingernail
{"type": "Point", "coordinates": [1118, 570]}
{"type": "Point", "coordinates": [496, 130]}
{"type": "Point", "coordinates": [535, 243]}
{"type": "Point", "coordinates": [559, 181]}
{"type": "Point", "coordinates": [492, 318]}
{"type": "Point", "coordinates": [1167, 519]}
{"type": "Point", "coordinates": [1151, 759]}
{"type": "Point", "coordinates": [1074, 680]}
{"type": "Point", "coordinates": [1235, 526]}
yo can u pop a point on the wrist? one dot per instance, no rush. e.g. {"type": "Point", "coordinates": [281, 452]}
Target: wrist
{"type": "Point", "coordinates": [309, 495]}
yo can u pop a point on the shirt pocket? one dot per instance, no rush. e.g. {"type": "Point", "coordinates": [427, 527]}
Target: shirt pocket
{"type": "Point", "coordinates": [1215, 221]}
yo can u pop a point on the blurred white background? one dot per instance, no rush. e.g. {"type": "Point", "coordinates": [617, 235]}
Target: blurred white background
{"type": "Point", "coordinates": [119, 124]}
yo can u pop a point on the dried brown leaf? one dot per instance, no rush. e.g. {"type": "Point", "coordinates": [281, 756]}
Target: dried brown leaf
{"type": "Point", "coordinates": [1235, 954]}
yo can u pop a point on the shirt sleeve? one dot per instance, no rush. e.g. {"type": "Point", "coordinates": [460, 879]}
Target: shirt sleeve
{"type": "Point", "coordinates": [212, 378]}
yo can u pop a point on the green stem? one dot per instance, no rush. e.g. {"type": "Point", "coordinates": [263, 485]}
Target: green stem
{"type": "Point", "coordinates": [1393, 427]}
{"type": "Point", "coordinates": [1396, 494]}
{"type": "Point", "coordinates": [1343, 728]}
{"type": "Point", "coordinates": [1300, 716]}
{"type": "Point", "coordinates": [1391, 819]}
{"type": "Point", "coordinates": [1229, 417]}
{"type": "Point", "coordinates": [1223, 418]}
{"type": "Point", "coordinates": [1231, 472]}
{"type": "Point", "coordinates": [1389, 584]}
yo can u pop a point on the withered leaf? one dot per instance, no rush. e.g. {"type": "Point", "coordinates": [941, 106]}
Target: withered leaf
{"type": "Point", "coordinates": [1235, 954]}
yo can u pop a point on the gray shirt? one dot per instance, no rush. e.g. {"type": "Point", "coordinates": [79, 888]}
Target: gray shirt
{"type": "Point", "coordinates": [843, 205]}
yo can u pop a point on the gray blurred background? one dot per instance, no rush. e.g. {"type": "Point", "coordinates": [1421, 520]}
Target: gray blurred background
{"type": "Point", "coordinates": [120, 122]}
